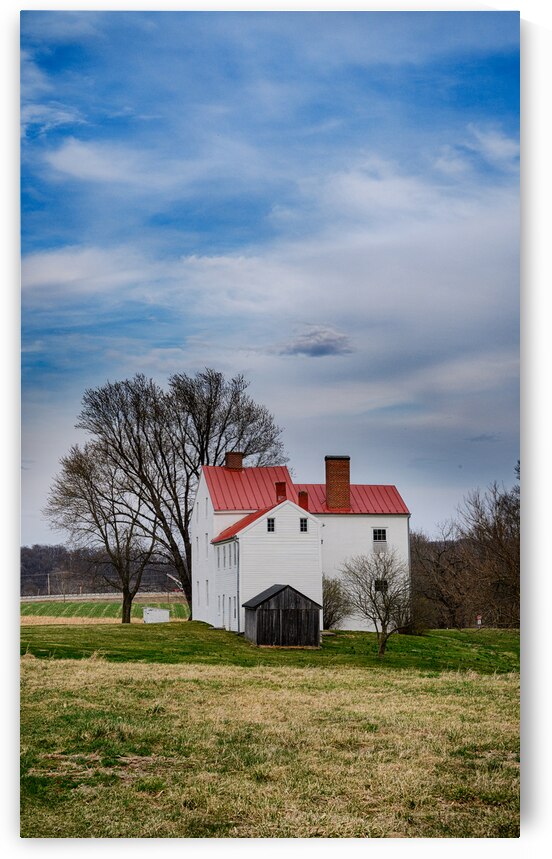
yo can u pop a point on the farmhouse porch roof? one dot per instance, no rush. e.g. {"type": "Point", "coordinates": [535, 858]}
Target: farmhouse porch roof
{"type": "Point", "coordinates": [238, 526]}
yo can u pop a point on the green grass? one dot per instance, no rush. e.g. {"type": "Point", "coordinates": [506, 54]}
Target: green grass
{"type": "Point", "coordinates": [118, 750]}
{"type": "Point", "coordinates": [98, 608]}
{"type": "Point", "coordinates": [184, 731]}
{"type": "Point", "coordinates": [485, 651]}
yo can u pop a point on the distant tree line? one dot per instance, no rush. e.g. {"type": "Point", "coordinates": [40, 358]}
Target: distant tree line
{"type": "Point", "coordinates": [58, 570]}
{"type": "Point", "coordinates": [470, 570]}
{"type": "Point", "coordinates": [473, 566]}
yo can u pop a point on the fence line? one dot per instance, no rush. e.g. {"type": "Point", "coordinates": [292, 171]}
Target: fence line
{"type": "Point", "coordinates": [103, 596]}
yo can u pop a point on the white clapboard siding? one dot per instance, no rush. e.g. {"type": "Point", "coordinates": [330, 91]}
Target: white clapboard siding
{"type": "Point", "coordinates": [202, 531]}
{"type": "Point", "coordinates": [344, 536]}
{"type": "Point", "coordinates": [286, 556]}
{"type": "Point", "coordinates": [227, 587]}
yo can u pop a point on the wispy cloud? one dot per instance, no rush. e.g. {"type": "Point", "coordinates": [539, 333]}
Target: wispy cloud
{"type": "Point", "coordinates": [45, 117]}
{"type": "Point", "coordinates": [496, 147]}
{"type": "Point", "coordinates": [491, 145]}
{"type": "Point", "coordinates": [484, 437]}
{"type": "Point", "coordinates": [71, 273]}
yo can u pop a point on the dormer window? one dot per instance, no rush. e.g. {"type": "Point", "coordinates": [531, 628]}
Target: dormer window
{"type": "Point", "coordinates": [303, 525]}
{"type": "Point", "coordinates": [270, 525]}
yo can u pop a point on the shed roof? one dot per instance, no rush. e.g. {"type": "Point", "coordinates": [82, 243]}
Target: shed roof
{"type": "Point", "coordinates": [256, 601]}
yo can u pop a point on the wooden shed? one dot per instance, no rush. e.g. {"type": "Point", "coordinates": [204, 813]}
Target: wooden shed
{"type": "Point", "coordinates": [281, 616]}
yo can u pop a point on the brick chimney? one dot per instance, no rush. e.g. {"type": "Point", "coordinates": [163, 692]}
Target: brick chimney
{"type": "Point", "coordinates": [338, 495]}
{"type": "Point", "coordinates": [303, 499]}
{"type": "Point", "coordinates": [281, 493]}
{"type": "Point", "coordinates": [233, 459]}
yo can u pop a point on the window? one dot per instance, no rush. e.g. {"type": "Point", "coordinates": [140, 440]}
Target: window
{"type": "Point", "coordinates": [380, 585]}
{"type": "Point", "coordinates": [224, 556]}
{"type": "Point", "coordinates": [234, 607]}
{"type": "Point", "coordinates": [206, 591]}
{"type": "Point", "coordinates": [197, 591]}
{"type": "Point", "coordinates": [235, 554]}
{"type": "Point", "coordinates": [218, 557]}
{"type": "Point", "coordinates": [379, 537]}
{"type": "Point", "coordinates": [303, 525]}
{"type": "Point", "coordinates": [270, 525]}
{"type": "Point", "coordinates": [219, 604]}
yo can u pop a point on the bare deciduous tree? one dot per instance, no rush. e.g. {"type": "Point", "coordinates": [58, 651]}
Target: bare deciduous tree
{"type": "Point", "coordinates": [159, 441]}
{"type": "Point", "coordinates": [378, 589]}
{"type": "Point", "coordinates": [89, 500]}
{"type": "Point", "coordinates": [442, 579]}
{"type": "Point", "coordinates": [473, 565]}
{"type": "Point", "coordinates": [489, 533]}
{"type": "Point", "coordinates": [221, 416]}
{"type": "Point", "coordinates": [334, 601]}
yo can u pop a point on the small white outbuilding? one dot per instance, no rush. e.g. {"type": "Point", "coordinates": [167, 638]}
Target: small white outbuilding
{"type": "Point", "coordinates": [156, 615]}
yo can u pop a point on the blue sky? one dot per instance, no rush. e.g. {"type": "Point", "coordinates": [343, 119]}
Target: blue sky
{"type": "Point", "coordinates": [327, 202]}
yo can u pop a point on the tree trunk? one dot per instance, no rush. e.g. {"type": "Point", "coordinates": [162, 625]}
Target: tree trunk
{"type": "Point", "coordinates": [382, 643]}
{"type": "Point", "coordinates": [127, 606]}
{"type": "Point", "coordinates": [186, 580]}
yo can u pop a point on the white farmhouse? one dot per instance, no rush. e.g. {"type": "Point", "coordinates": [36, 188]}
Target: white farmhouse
{"type": "Point", "coordinates": [253, 527]}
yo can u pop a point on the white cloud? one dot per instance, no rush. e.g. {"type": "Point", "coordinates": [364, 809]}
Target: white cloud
{"type": "Point", "coordinates": [94, 162]}
{"type": "Point", "coordinates": [34, 83]}
{"type": "Point", "coordinates": [60, 27]}
{"type": "Point", "coordinates": [47, 117]}
{"type": "Point", "coordinates": [41, 108]}
{"type": "Point", "coordinates": [71, 274]}
{"type": "Point", "coordinates": [155, 173]}
{"type": "Point", "coordinates": [495, 146]}
{"type": "Point", "coordinates": [451, 162]}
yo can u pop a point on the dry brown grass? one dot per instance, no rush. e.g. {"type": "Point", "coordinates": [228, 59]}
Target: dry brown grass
{"type": "Point", "coordinates": [45, 620]}
{"type": "Point", "coordinates": [188, 750]}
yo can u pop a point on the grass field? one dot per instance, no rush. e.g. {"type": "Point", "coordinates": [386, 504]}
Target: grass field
{"type": "Point", "coordinates": [100, 609]}
{"type": "Point", "coordinates": [487, 651]}
{"type": "Point", "coordinates": [226, 740]}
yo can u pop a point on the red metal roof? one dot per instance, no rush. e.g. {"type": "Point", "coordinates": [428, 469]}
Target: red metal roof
{"type": "Point", "coordinates": [234, 529]}
{"type": "Point", "coordinates": [253, 489]}
{"type": "Point", "coordinates": [365, 498]}
{"type": "Point", "coordinates": [246, 488]}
